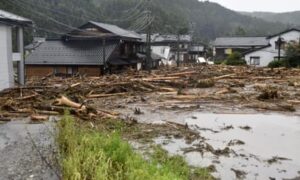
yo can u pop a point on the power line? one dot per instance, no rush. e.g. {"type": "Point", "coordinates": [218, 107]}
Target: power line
{"type": "Point", "coordinates": [132, 15]}
{"type": "Point", "coordinates": [23, 6]}
{"type": "Point", "coordinates": [140, 22]}
{"type": "Point", "coordinates": [52, 10]}
{"type": "Point", "coordinates": [146, 25]}
{"type": "Point", "coordinates": [58, 22]}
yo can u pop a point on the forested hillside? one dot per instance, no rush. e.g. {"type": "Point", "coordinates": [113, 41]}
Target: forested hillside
{"type": "Point", "coordinates": [292, 18]}
{"type": "Point", "coordinates": [203, 19]}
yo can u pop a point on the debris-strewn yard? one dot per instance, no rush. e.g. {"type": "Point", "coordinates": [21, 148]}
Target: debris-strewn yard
{"type": "Point", "coordinates": [243, 87]}
{"type": "Point", "coordinates": [149, 109]}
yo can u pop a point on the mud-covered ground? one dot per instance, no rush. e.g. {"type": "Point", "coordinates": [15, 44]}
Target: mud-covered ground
{"type": "Point", "coordinates": [239, 143]}
{"type": "Point", "coordinates": [242, 122]}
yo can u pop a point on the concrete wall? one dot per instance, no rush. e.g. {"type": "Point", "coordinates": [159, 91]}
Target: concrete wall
{"type": "Point", "coordinates": [6, 63]}
{"type": "Point", "coordinates": [268, 54]}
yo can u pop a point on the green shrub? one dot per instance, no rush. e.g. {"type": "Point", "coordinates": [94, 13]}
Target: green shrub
{"type": "Point", "coordinates": [218, 62]}
{"type": "Point", "coordinates": [235, 59]}
{"type": "Point", "coordinates": [293, 55]}
{"type": "Point", "coordinates": [277, 64]}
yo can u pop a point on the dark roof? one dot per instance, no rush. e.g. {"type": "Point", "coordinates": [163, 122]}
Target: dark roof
{"type": "Point", "coordinates": [256, 49]}
{"type": "Point", "coordinates": [117, 30]}
{"type": "Point", "coordinates": [10, 18]}
{"type": "Point", "coordinates": [240, 41]}
{"type": "Point", "coordinates": [58, 52]}
{"type": "Point", "coordinates": [286, 31]}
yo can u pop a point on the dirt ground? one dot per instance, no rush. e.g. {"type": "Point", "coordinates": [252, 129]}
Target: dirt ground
{"type": "Point", "coordinates": [155, 104]}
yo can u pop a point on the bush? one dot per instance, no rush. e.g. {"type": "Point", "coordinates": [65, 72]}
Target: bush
{"type": "Point", "coordinates": [293, 55]}
{"type": "Point", "coordinates": [235, 59]}
{"type": "Point", "coordinates": [218, 62]}
{"type": "Point", "coordinates": [277, 64]}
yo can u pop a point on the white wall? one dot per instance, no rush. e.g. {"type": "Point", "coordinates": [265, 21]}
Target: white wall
{"type": "Point", "coordinates": [6, 64]}
{"type": "Point", "coordinates": [268, 54]}
{"type": "Point", "coordinates": [163, 51]}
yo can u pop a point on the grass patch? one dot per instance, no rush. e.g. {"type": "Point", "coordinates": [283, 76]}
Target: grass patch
{"type": "Point", "coordinates": [86, 154]}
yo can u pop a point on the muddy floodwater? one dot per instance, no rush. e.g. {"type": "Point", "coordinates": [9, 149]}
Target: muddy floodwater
{"type": "Point", "coordinates": [262, 146]}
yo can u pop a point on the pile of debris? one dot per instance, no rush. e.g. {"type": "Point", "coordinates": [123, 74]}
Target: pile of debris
{"type": "Point", "coordinates": [259, 88]}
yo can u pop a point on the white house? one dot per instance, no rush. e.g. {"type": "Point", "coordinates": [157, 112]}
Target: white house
{"type": "Point", "coordinates": [10, 23]}
{"type": "Point", "coordinates": [263, 56]}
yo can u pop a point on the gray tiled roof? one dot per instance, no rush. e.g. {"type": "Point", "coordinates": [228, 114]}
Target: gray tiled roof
{"type": "Point", "coordinates": [7, 16]}
{"type": "Point", "coordinates": [117, 30]}
{"type": "Point", "coordinates": [70, 53]}
{"type": "Point", "coordinates": [241, 41]}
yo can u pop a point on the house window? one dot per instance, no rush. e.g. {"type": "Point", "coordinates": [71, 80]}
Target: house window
{"type": "Point", "coordinates": [255, 60]}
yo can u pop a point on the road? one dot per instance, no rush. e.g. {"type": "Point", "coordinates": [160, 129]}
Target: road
{"type": "Point", "coordinates": [27, 151]}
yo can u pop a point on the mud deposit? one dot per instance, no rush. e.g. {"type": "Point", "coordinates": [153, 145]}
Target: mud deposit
{"type": "Point", "coordinates": [26, 151]}
{"type": "Point", "coordinates": [250, 146]}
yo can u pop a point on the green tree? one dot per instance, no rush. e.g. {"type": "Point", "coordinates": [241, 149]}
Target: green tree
{"type": "Point", "coordinates": [293, 55]}
{"type": "Point", "coordinates": [235, 59]}
{"type": "Point", "coordinates": [239, 31]}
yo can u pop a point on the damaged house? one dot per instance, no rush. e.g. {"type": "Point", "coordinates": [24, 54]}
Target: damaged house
{"type": "Point", "coordinates": [89, 50]}
{"type": "Point", "coordinates": [165, 47]}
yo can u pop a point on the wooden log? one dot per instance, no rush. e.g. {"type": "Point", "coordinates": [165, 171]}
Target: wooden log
{"type": "Point", "coordinates": [105, 95]}
{"type": "Point", "coordinates": [64, 101]}
{"type": "Point", "coordinates": [52, 113]}
{"type": "Point", "coordinates": [39, 118]}
{"type": "Point", "coordinates": [224, 76]}
{"type": "Point", "coordinates": [183, 73]}
{"type": "Point", "coordinates": [59, 109]}
{"type": "Point", "coordinates": [156, 79]}
{"type": "Point", "coordinates": [28, 97]}
{"type": "Point", "coordinates": [294, 102]}
{"type": "Point", "coordinates": [75, 85]}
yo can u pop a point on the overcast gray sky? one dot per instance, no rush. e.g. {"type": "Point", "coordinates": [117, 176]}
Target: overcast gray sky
{"type": "Point", "coordinates": [261, 5]}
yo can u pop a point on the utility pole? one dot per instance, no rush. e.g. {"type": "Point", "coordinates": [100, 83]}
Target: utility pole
{"type": "Point", "coordinates": [104, 54]}
{"type": "Point", "coordinates": [178, 49]}
{"type": "Point", "coordinates": [279, 43]}
{"type": "Point", "coordinates": [148, 49]}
